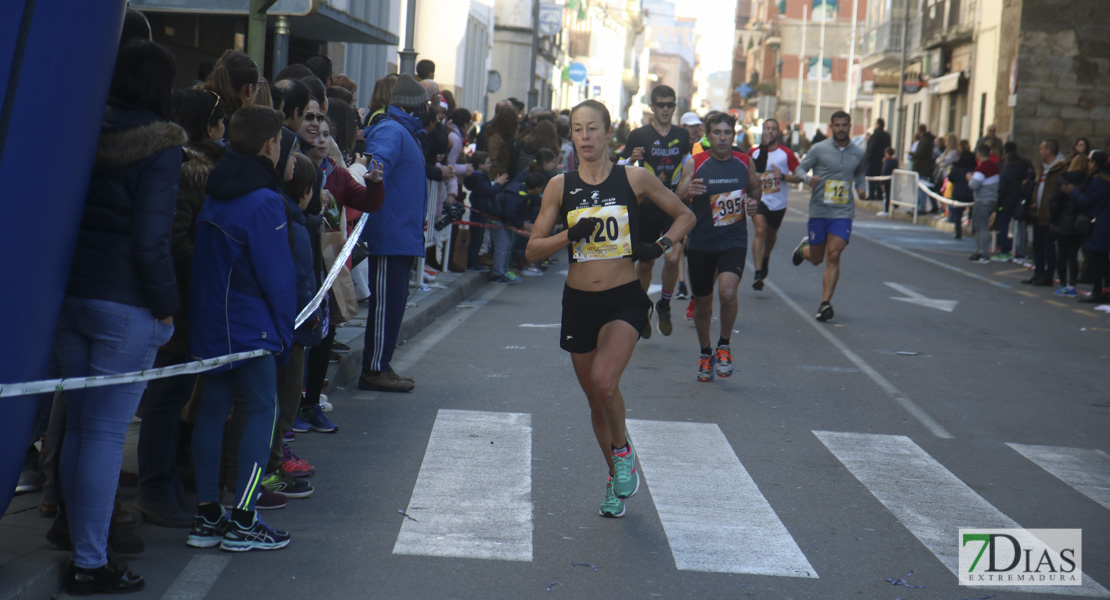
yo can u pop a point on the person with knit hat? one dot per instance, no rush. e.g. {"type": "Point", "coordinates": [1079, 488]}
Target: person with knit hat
{"type": "Point", "coordinates": [395, 235]}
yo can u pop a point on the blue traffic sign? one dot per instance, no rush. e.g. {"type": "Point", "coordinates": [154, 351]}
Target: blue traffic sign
{"type": "Point", "coordinates": [744, 89]}
{"type": "Point", "coordinates": [576, 72]}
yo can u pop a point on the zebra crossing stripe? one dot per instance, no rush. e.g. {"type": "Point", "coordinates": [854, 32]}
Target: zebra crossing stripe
{"type": "Point", "coordinates": [473, 496]}
{"type": "Point", "coordinates": [927, 498]}
{"type": "Point", "coordinates": [1088, 471]}
{"type": "Point", "coordinates": [710, 522]}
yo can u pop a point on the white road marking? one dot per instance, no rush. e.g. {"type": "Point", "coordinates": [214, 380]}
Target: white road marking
{"type": "Point", "coordinates": [1088, 471]}
{"type": "Point", "coordinates": [542, 325]}
{"type": "Point", "coordinates": [198, 577]}
{"type": "Point", "coordinates": [473, 496]}
{"type": "Point", "coordinates": [920, 299]}
{"type": "Point", "coordinates": [931, 502]}
{"type": "Point", "coordinates": [718, 524]}
{"type": "Point", "coordinates": [902, 399]}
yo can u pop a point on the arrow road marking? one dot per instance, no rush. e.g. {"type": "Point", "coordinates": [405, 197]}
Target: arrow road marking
{"type": "Point", "coordinates": [916, 298]}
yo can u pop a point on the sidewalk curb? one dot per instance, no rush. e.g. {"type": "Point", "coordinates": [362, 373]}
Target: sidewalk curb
{"type": "Point", "coordinates": [35, 575]}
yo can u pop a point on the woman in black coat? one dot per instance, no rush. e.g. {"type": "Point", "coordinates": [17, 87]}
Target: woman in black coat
{"type": "Point", "coordinates": [1094, 201]}
{"type": "Point", "coordinates": [119, 302]}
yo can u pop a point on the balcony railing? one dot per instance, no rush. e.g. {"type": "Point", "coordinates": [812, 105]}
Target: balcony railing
{"type": "Point", "coordinates": [885, 38]}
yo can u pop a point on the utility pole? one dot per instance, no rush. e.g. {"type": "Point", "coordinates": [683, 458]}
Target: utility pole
{"type": "Point", "coordinates": [408, 55]}
{"type": "Point", "coordinates": [533, 91]}
{"type": "Point", "coordinates": [900, 145]}
{"type": "Point", "coordinates": [256, 31]}
{"type": "Point", "coordinates": [801, 67]}
{"type": "Point", "coordinates": [820, 71]}
{"type": "Point", "coordinates": [852, 58]}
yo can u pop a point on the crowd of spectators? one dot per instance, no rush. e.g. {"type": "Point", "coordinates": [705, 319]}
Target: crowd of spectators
{"type": "Point", "coordinates": [212, 219]}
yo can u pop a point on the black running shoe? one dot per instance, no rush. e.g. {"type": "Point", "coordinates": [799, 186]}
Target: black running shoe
{"type": "Point", "coordinates": [258, 536]}
{"type": "Point", "coordinates": [824, 312]}
{"type": "Point", "coordinates": [798, 257]}
{"type": "Point", "coordinates": [757, 285]}
{"type": "Point", "coordinates": [663, 309]}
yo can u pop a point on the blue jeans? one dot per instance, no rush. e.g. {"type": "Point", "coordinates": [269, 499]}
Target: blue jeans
{"type": "Point", "coordinates": [499, 241]}
{"type": "Point", "coordinates": [256, 381]}
{"type": "Point", "coordinates": [160, 433]}
{"type": "Point", "coordinates": [98, 337]}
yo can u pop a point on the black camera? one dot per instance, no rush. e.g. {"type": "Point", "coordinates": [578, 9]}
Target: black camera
{"type": "Point", "coordinates": [451, 213]}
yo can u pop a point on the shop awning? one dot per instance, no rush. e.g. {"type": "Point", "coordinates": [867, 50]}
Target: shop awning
{"type": "Point", "coordinates": [308, 19]}
{"type": "Point", "coordinates": [945, 84]}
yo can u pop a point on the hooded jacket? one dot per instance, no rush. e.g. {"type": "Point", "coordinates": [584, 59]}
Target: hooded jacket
{"type": "Point", "coordinates": [398, 229]}
{"type": "Point", "coordinates": [199, 159]}
{"type": "Point", "coordinates": [984, 183]}
{"type": "Point", "coordinates": [243, 294]}
{"type": "Point", "coordinates": [123, 247]}
{"type": "Point", "coordinates": [1095, 202]}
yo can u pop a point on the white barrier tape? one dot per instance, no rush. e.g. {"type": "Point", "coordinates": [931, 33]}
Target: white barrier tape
{"type": "Point", "coordinates": [340, 261]}
{"type": "Point", "coordinates": [942, 199]}
{"type": "Point", "coordinates": [199, 366]}
{"type": "Point", "coordinates": [878, 178]}
{"type": "Point", "coordinates": [76, 383]}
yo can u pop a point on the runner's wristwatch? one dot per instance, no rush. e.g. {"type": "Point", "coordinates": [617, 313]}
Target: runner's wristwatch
{"type": "Point", "coordinates": [665, 243]}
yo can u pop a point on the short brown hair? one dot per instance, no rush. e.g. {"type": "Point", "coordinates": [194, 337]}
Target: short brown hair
{"type": "Point", "coordinates": [251, 126]}
{"type": "Point", "coordinates": [304, 177]}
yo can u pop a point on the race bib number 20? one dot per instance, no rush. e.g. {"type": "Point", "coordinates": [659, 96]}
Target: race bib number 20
{"type": "Point", "coordinates": [610, 240]}
{"type": "Point", "coordinates": [837, 191]}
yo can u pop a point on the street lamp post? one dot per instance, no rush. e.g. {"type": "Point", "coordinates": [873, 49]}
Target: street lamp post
{"type": "Point", "coordinates": [533, 92]}
{"type": "Point", "coordinates": [408, 55]}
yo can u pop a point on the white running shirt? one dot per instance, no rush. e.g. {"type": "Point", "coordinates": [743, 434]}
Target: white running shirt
{"type": "Point", "coordinates": [774, 187]}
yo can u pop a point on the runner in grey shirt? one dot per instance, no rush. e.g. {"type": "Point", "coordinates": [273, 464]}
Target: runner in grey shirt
{"type": "Point", "coordinates": [838, 165]}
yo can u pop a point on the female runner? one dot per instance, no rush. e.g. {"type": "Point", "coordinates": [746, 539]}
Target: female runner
{"type": "Point", "coordinates": [604, 307]}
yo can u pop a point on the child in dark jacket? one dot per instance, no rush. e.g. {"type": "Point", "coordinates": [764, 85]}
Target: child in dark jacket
{"type": "Point", "coordinates": [961, 191]}
{"type": "Point", "coordinates": [243, 297]}
{"type": "Point", "coordinates": [283, 465]}
{"type": "Point", "coordinates": [483, 197]}
{"type": "Point", "coordinates": [889, 164]}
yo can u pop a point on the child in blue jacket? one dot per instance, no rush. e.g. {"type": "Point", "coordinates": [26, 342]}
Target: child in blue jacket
{"type": "Point", "coordinates": [243, 297]}
{"type": "Point", "coordinates": [483, 200]}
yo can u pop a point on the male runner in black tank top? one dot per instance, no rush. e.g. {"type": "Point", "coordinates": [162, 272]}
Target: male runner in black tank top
{"type": "Point", "coordinates": [659, 148]}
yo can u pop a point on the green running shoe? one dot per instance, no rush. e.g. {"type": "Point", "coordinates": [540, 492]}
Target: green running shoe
{"type": "Point", "coordinates": [612, 506]}
{"type": "Point", "coordinates": [626, 479]}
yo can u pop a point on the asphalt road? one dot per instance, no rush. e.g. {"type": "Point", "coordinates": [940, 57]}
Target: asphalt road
{"type": "Point", "coordinates": [838, 456]}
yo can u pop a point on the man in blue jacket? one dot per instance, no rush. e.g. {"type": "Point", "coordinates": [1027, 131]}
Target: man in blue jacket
{"type": "Point", "coordinates": [395, 235]}
{"type": "Point", "coordinates": [243, 297]}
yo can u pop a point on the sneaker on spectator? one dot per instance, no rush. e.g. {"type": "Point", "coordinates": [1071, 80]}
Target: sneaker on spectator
{"type": "Point", "coordinates": [504, 280]}
{"type": "Point", "coordinates": [268, 500]}
{"type": "Point", "coordinates": [257, 536]}
{"type": "Point", "coordinates": [882, 213]}
{"type": "Point", "coordinates": [531, 271]}
{"type": "Point", "coordinates": [478, 269]}
{"type": "Point", "coordinates": [316, 419]}
{"type": "Point", "coordinates": [299, 425]}
{"type": "Point", "coordinates": [294, 465]}
{"type": "Point", "coordinates": [324, 404]}
{"type": "Point", "coordinates": [1067, 290]}
{"type": "Point", "coordinates": [334, 358]}
{"type": "Point", "coordinates": [340, 347]}
{"type": "Point", "coordinates": [512, 276]}
{"type": "Point", "coordinates": [207, 534]}
{"type": "Point", "coordinates": [282, 483]}
{"type": "Point", "coordinates": [384, 381]}
{"type": "Point", "coordinates": [288, 436]}
{"type": "Point", "coordinates": [1001, 257]}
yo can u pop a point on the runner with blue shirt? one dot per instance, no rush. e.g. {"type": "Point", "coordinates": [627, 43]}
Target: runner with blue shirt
{"type": "Point", "coordinates": [838, 165]}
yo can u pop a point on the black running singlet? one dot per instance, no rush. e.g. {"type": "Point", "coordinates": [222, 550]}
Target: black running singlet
{"type": "Point", "coordinates": [662, 154]}
{"type": "Point", "coordinates": [612, 201]}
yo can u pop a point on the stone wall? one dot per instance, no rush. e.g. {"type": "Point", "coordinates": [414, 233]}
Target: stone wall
{"type": "Point", "coordinates": [1064, 73]}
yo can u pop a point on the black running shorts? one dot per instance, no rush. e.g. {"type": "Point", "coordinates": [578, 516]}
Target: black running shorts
{"type": "Point", "coordinates": [702, 267]}
{"type": "Point", "coordinates": [584, 313]}
{"type": "Point", "coordinates": [774, 217]}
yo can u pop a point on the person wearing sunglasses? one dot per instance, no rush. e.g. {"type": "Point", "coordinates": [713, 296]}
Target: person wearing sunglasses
{"type": "Point", "coordinates": [659, 148]}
